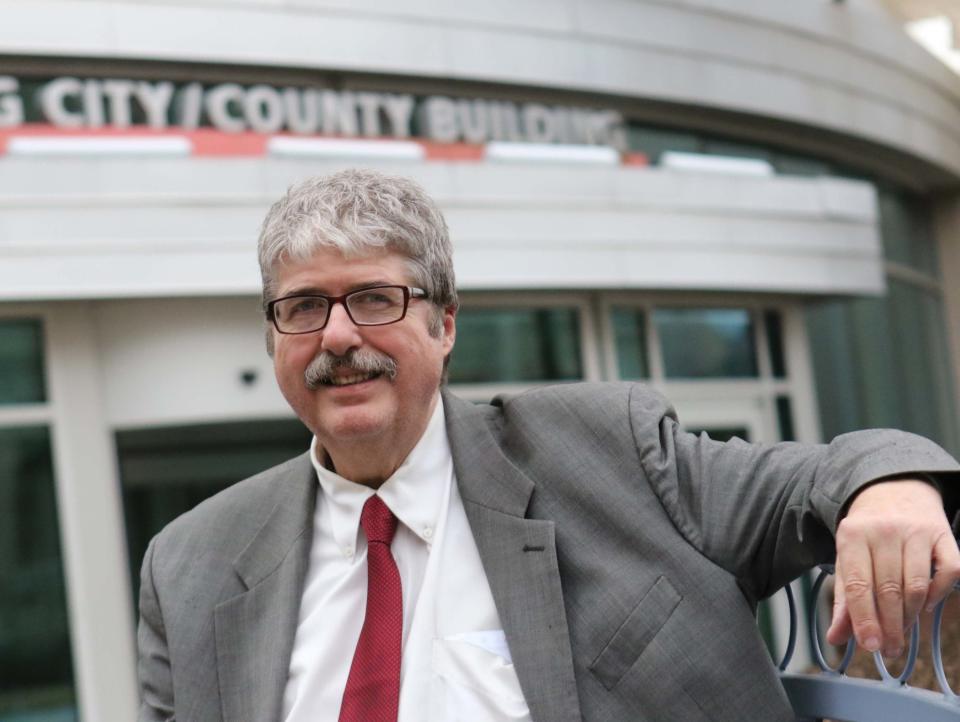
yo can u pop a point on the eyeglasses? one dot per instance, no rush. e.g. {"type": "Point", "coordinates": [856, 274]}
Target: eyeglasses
{"type": "Point", "coordinates": [376, 306]}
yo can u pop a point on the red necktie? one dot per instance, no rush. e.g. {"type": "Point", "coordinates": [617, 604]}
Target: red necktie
{"type": "Point", "coordinates": [373, 687]}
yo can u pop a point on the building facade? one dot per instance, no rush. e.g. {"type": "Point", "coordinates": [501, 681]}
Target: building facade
{"type": "Point", "coordinates": [755, 207]}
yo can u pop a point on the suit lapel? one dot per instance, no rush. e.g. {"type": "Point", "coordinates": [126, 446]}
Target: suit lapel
{"type": "Point", "coordinates": [520, 560]}
{"type": "Point", "coordinates": [255, 630]}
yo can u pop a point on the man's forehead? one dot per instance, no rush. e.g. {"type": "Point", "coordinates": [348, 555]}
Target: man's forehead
{"type": "Point", "coordinates": [330, 265]}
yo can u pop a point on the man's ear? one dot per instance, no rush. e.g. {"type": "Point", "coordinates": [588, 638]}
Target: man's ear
{"type": "Point", "coordinates": [449, 328]}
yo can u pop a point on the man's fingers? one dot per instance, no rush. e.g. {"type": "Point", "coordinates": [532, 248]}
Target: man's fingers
{"type": "Point", "coordinates": [888, 581]}
{"type": "Point", "coordinates": [840, 628]}
{"type": "Point", "coordinates": [916, 578]}
{"type": "Point", "coordinates": [946, 561]}
{"type": "Point", "coordinates": [856, 574]}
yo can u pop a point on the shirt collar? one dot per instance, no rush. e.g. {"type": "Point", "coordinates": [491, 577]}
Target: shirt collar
{"type": "Point", "coordinates": [414, 492]}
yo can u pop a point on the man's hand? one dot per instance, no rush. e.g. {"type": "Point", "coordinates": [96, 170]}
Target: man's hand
{"type": "Point", "coordinates": [893, 535]}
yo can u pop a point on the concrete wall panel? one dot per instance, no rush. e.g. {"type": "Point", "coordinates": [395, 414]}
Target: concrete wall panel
{"type": "Point", "coordinates": [190, 227]}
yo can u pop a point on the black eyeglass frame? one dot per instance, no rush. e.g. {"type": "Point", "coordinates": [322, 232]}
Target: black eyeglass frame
{"type": "Point", "coordinates": [409, 292]}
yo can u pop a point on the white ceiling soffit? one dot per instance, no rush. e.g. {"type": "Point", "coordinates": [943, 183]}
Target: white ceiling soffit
{"type": "Point", "coordinates": [179, 227]}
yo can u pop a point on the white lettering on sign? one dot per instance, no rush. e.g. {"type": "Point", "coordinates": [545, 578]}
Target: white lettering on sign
{"type": "Point", "coordinates": [53, 102]}
{"type": "Point", "coordinates": [92, 97]}
{"type": "Point", "coordinates": [155, 99]}
{"type": "Point", "coordinates": [263, 109]}
{"type": "Point", "coordinates": [474, 121]}
{"type": "Point", "coordinates": [233, 108]}
{"type": "Point", "coordinates": [219, 101]}
{"type": "Point", "coordinates": [189, 106]}
{"type": "Point", "coordinates": [338, 113]}
{"type": "Point", "coordinates": [11, 105]}
{"type": "Point", "coordinates": [302, 110]}
{"type": "Point", "coordinates": [399, 110]}
{"type": "Point", "coordinates": [539, 124]}
{"type": "Point", "coordinates": [118, 94]}
{"type": "Point", "coordinates": [369, 105]}
{"type": "Point", "coordinates": [439, 119]}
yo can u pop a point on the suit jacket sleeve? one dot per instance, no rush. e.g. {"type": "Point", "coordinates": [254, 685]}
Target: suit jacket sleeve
{"type": "Point", "coordinates": [153, 667]}
{"type": "Point", "coordinates": [768, 512]}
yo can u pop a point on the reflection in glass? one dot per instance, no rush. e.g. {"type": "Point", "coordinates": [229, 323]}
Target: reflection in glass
{"type": "Point", "coordinates": [789, 164]}
{"type": "Point", "coordinates": [785, 419]}
{"type": "Point", "coordinates": [36, 669]}
{"type": "Point", "coordinates": [168, 470]}
{"type": "Point", "coordinates": [630, 342]}
{"type": "Point", "coordinates": [906, 231]}
{"type": "Point", "coordinates": [496, 345]}
{"type": "Point", "coordinates": [706, 342]}
{"type": "Point", "coordinates": [21, 362]}
{"type": "Point", "coordinates": [883, 362]}
{"type": "Point", "coordinates": [774, 327]}
{"type": "Point", "coordinates": [736, 149]}
{"type": "Point", "coordinates": [654, 142]}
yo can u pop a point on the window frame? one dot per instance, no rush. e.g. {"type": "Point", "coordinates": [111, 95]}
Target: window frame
{"type": "Point", "coordinates": [592, 370]}
{"type": "Point", "coordinates": [797, 385]}
{"type": "Point", "coordinates": [44, 414]}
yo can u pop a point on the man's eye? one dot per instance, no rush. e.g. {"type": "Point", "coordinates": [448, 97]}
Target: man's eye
{"type": "Point", "coordinates": [373, 299]}
{"type": "Point", "coordinates": [305, 306]}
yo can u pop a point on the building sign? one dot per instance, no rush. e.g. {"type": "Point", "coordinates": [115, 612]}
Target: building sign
{"type": "Point", "coordinates": [70, 102]}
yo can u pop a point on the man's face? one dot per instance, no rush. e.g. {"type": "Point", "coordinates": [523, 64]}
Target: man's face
{"type": "Point", "coordinates": [391, 409]}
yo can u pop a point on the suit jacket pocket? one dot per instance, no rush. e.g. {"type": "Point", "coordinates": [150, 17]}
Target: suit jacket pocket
{"type": "Point", "coordinates": [633, 636]}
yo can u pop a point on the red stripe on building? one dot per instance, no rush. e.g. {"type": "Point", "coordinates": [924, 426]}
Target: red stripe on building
{"type": "Point", "coordinates": [215, 143]}
{"type": "Point", "coordinates": [452, 151]}
{"type": "Point", "coordinates": [635, 159]}
{"type": "Point", "coordinates": [211, 142]}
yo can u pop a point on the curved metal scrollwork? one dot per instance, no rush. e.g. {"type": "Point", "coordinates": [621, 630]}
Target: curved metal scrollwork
{"type": "Point", "coordinates": [815, 630]}
{"type": "Point", "coordinates": [834, 694]}
{"type": "Point", "coordinates": [792, 639]}
{"type": "Point", "coordinates": [938, 652]}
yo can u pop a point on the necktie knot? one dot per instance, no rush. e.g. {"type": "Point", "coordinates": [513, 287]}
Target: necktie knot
{"type": "Point", "coordinates": [378, 522]}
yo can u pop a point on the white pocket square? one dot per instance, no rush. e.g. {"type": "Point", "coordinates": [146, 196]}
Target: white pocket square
{"type": "Point", "coordinates": [492, 640]}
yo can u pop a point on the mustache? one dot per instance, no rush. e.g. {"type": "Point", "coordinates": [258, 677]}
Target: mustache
{"type": "Point", "coordinates": [324, 366]}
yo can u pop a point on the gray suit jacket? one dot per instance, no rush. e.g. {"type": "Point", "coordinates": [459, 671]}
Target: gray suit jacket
{"type": "Point", "coordinates": [625, 557]}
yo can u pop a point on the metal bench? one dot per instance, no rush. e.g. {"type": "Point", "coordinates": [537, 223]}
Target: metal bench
{"type": "Point", "coordinates": [833, 695]}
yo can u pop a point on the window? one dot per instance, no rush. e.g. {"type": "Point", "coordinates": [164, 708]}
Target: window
{"type": "Point", "coordinates": [630, 342]}
{"type": "Point", "coordinates": [21, 362]}
{"type": "Point", "coordinates": [906, 232]}
{"type": "Point", "coordinates": [706, 342]}
{"type": "Point", "coordinates": [724, 368]}
{"type": "Point", "coordinates": [509, 344]}
{"type": "Point", "coordinates": [883, 362]}
{"type": "Point", "coordinates": [166, 471]}
{"type": "Point", "coordinates": [36, 667]}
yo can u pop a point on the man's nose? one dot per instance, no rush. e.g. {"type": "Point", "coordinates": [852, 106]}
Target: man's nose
{"type": "Point", "coordinates": [340, 334]}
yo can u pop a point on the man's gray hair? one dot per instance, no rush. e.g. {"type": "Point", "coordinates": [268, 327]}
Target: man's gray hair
{"type": "Point", "coordinates": [357, 212]}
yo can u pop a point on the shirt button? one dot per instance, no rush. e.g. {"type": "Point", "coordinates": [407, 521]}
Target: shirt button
{"type": "Point", "coordinates": [428, 532]}
{"type": "Point", "coordinates": [348, 552]}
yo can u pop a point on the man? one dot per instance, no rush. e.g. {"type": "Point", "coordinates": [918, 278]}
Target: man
{"type": "Point", "coordinates": [566, 554]}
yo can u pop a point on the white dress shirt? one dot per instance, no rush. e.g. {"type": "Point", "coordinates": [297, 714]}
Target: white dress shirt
{"type": "Point", "coordinates": [455, 663]}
